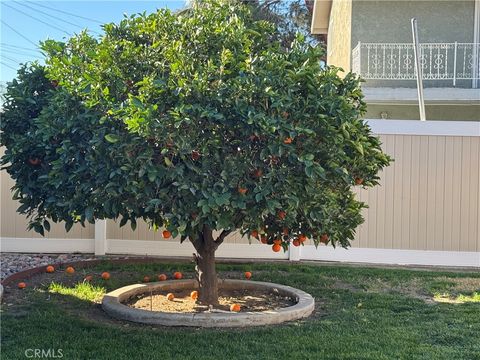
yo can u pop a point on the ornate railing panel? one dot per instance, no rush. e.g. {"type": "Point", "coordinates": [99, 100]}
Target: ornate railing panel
{"type": "Point", "coordinates": [395, 61]}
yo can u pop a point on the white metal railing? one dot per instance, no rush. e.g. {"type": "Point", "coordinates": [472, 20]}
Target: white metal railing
{"type": "Point", "coordinates": [439, 61]}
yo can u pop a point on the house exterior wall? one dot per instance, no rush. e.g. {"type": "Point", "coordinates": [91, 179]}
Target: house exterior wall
{"type": "Point", "coordinates": [469, 112]}
{"type": "Point", "coordinates": [439, 21]}
{"type": "Point", "coordinates": [339, 35]}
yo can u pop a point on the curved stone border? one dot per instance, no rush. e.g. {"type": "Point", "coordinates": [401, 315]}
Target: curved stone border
{"type": "Point", "coordinates": [112, 304]}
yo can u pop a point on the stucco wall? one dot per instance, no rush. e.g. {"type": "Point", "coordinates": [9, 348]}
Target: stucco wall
{"type": "Point", "coordinates": [433, 112]}
{"type": "Point", "coordinates": [439, 21]}
{"type": "Point", "coordinates": [339, 35]}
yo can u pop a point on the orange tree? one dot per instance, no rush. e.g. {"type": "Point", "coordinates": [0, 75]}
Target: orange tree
{"type": "Point", "coordinates": [199, 122]}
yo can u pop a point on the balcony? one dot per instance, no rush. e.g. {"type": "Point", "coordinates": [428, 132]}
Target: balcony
{"type": "Point", "coordinates": [443, 64]}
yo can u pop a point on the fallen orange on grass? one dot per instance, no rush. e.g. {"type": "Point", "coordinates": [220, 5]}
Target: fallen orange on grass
{"type": "Point", "coordinates": [70, 270]}
{"type": "Point", "coordinates": [177, 275]}
{"type": "Point", "coordinates": [50, 269]}
{"type": "Point", "coordinates": [170, 296]}
{"type": "Point", "coordinates": [276, 247]}
{"type": "Point", "coordinates": [22, 285]}
{"type": "Point", "coordinates": [248, 275]}
{"type": "Point", "coordinates": [162, 277]}
{"type": "Point", "coordinates": [235, 307]}
{"type": "Point", "coordinates": [146, 279]}
{"type": "Point", "coordinates": [88, 278]}
{"type": "Point", "coordinates": [105, 275]}
{"type": "Point", "coordinates": [194, 295]}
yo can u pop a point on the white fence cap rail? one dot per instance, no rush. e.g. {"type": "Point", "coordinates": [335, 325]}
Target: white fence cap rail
{"type": "Point", "coordinates": [417, 127]}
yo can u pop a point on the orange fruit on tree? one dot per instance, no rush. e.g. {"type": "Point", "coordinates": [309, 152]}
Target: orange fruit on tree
{"type": "Point", "coordinates": [358, 181]}
{"type": "Point", "coordinates": [324, 238]}
{"type": "Point", "coordinates": [170, 296]}
{"type": "Point", "coordinates": [258, 173]}
{"type": "Point", "coordinates": [281, 214]}
{"type": "Point", "coordinates": [296, 242]}
{"type": "Point", "coordinates": [248, 275]}
{"type": "Point", "coordinates": [277, 241]}
{"type": "Point", "coordinates": [146, 279]}
{"type": "Point", "coordinates": [302, 238]}
{"type": "Point", "coordinates": [166, 234]}
{"type": "Point", "coordinates": [194, 295]}
{"type": "Point", "coordinates": [88, 278]}
{"type": "Point", "coordinates": [235, 307]}
{"type": "Point", "coordinates": [162, 277]}
{"type": "Point", "coordinates": [105, 275]}
{"type": "Point", "coordinates": [242, 191]}
{"type": "Point", "coordinates": [287, 140]}
{"type": "Point", "coordinates": [285, 231]}
{"type": "Point", "coordinates": [177, 275]}
{"type": "Point", "coordinates": [22, 285]}
{"type": "Point", "coordinates": [254, 233]}
{"type": "Point", "coordinates": [50, 269]}
{"type": "Point", "coordinates": [70, 270]}
{"type": "Point", "coordinates": [195, 155]}
{"type": "Point", "coordinates": [264, 239]}
{"type": "Point", "coordinates": [276, 247]}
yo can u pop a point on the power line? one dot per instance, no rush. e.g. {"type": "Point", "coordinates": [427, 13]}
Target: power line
{"type": "Point", "coordinates": [11, 59]}
{"type": "Point", "coordinates": [19, 52]}
{"type": "Point", "coordinates": [51, 16]}
{"type": "Point", "coordinates": [64, 12]}
{"type": "Point", "coordinates": [18, 33]}
{"type": "Point", "coordinates": [3, 45]}
{"type": "Point", "coordinates": [11, 67]}
{"type": "Point", "coordinates": [37, 19]}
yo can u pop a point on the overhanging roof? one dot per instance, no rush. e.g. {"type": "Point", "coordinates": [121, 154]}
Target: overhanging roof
{"type": "Point", "coordinates": [321, 16]}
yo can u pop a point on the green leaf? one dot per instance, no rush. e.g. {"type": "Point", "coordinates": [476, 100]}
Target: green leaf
{"type": "Point", "coordinates": [137, 102]}
{"type": "Point", "coordinates": [89, 214]}
{"type": "Point", "coordinates": [112, 138]}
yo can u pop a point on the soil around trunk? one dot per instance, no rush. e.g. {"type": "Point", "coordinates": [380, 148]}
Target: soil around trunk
{"type": "Point", "coordinates": [247, 299]}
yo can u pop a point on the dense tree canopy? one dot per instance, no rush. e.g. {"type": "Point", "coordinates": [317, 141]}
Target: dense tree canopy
{"type": "Point", "coordinates": [194, 121]}
{"type": "Point", "coordinates": [190, 119]}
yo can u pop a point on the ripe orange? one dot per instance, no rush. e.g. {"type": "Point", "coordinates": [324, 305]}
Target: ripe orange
{"type": "Point", "coordinates": [170, 296]}
{"type": "Point", "coordinates": [195, 155]}
{"type": "Point", "coordinates": [194, 295]}
{"type": "Point", "coordinates": [264, 239]}
{"type": "Point", "coordinates": [254, 233]}
{"type": "Point", "coordinates": [22, 285]}
{"type": "Point", "coordinates": [105, 275]}
{"type": "Point", "coordinates": [281, 214]}
{"type": "Point", "coordinates": [324, 238]}
{"type": "Point", "coordinates": [296, 242]}
{"type": "Point", "coordinates": [162, 277]}
{"type": "Point", "coordinates": [146, 279]}
{"type": "Point", "coordinates": [258, 173]}
{"type": "Point", "coordinates": [70, 270]}
{"type": "Point", "coordinates": [358, 181]}
{"type": "Point", "coordinates": [166, 234]}
{"type": "Point", "coordinates": [50, 269]}
{"type": "Point", "coordinates": [177, 275]}
{"type": "Point", "coordinates": [235, 307]}
{"type": "Point", "coordinates": [302, 238]}
{"type": "Point", "coordinates": [34, 161]}
{"type": "Point", "coordinates": [248, 275]}
{"type": "Point", "coordinates": [242, 191]}
{"type": "Point", "coordinates": [287, 140]}
{"type": "Point", "coordinates": [277, 241]}
{"type": "Point", "coordinates": [285, 231]}
{"type": "Point", "coordinates": [88, 278]}
{"type": "Point", "coordinates": [276, 247]}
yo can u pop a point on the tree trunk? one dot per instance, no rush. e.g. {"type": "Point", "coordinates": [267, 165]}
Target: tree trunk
{"type": "Point", "coordinates": [205, 268]}
{"type": "Point", "coordinates": [207, 277]}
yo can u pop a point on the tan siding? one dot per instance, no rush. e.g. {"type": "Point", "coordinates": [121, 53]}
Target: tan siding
{"type": "Point", "coordinates": [428, 199]}
{"type": "Point", "coordinates": [14, 225]}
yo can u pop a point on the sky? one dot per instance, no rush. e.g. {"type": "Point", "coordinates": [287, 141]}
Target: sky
{"type": "Point", "coordinates": [26, 22]}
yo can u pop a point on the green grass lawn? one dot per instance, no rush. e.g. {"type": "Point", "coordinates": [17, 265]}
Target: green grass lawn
{"type": "Point", "coordinates": [361, 313]}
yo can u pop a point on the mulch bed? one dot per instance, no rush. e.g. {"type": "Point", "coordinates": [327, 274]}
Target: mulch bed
{"type": "Point", "coordinates": [247, 299]}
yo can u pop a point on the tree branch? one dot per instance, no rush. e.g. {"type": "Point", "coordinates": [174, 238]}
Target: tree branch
{"type": "Point", "coordinates": [222, 237]}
